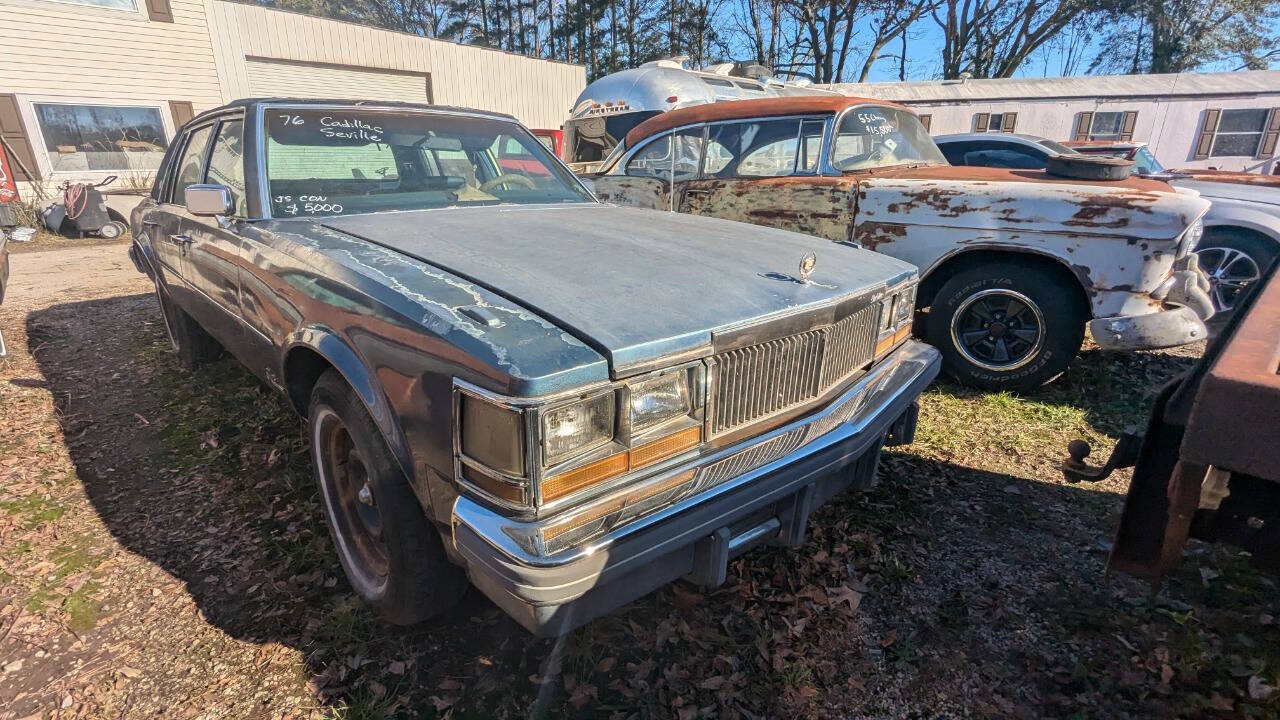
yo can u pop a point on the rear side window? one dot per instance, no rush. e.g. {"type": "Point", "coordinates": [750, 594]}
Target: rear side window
{"type": "Point", "coordinates": [658, 160]}
{"type": "Point", "coordinates": [191, 166]}
{"type": "Point", "coordinates": [226, 163]}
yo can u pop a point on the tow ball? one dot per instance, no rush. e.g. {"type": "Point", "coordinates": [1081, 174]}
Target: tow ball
{"type": "Point", "coordinates": [1123, 455]}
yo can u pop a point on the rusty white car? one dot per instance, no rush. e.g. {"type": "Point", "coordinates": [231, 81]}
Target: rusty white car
{"type": "Point", "coordinates": [1014, 263]}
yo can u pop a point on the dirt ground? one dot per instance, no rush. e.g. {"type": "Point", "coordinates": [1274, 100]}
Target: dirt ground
{"type": "Point", "coordinates": [162, 555]}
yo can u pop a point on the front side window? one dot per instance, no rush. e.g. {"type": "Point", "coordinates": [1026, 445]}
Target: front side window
{"type": "Point", "coordinates": [191, 167]}
{"type": "Point", "coordinates": [340, 162]}
{"type": "Point", "coordinates": [226, 162]}
{"type": "Point", "coordinates": [87, 138]}
{"type": "Point", "coordinates": [1145, 163]}
{"type": "Point", "coordinates": [657, 159]}
{"type": "Point", "coordinates": [879, 136]}
{"type": "Point", "coordinates": [1239, 132]}
{"type": "Point", "coordinates": [756, 148]}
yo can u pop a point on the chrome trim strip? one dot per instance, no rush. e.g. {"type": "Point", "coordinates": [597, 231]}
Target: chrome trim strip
{"type": "Point", "coordinates": [867, 398]}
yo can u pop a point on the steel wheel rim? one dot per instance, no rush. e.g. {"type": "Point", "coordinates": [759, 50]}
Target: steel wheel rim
{"type": "Point", "coordinates": [998, 329]}
{"type": "Point", "coordinates": [1230, 273]}
{"type": "Point", "coordinates": [347, 491]}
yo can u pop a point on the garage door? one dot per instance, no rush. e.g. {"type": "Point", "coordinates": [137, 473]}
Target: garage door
{"type": "Point", "coordinates": [268, 78]}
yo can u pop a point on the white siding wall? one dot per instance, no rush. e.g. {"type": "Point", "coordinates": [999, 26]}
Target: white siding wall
{"type": "Point", "coordinates": [67, 53]}
{"type": "Point", "coordinates": [1170, 127]}
{"type": "Point", "coordinates": [538, 92]}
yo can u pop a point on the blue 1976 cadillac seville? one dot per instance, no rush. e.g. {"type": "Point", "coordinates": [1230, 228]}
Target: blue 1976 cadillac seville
{"type": "Point", "coordinates": [569, 403]}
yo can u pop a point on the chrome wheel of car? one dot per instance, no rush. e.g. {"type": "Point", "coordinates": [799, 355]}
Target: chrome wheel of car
{"type": "Point", "coordinates": [347, 492]}
{"type": "Point", "coordinates": [1230, 272]}
{"type": "Point", "coordinates": [998, 329]}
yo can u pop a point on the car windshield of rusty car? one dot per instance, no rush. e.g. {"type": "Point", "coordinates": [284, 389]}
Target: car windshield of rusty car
{"type": "Point", "coordinates": [876, 136]}
{"type": "Point", "coordinates": [324, 162]}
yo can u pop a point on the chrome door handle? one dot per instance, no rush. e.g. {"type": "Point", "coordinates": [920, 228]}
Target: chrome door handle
{"type": "Point", "coordinates": [697, 192]}
{"type": "Point", "coordinates": [183, 239]}
{"type": "Point", "coordinates": [150, 223]}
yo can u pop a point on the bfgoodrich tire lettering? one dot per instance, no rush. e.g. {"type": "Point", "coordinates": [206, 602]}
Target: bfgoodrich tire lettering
{"type": "Point", "coordinates": [391, 554]}
{"type": "Point", "coordinates": [972, 306]}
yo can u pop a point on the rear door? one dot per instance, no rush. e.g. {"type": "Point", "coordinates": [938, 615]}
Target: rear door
{"type": "Point", "coordinates": [767, 172]}
{"type": "Point", "coordinates": [656, 173]}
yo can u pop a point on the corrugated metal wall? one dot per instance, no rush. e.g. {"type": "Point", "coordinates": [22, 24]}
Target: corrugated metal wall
{"type": "Point", "coordinates": [538, 92]}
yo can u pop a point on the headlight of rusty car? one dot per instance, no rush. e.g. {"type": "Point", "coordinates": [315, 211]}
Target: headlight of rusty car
{"type": "Point", "coordinates": [1194, 234]}
{"type": "Point", "coordinates": [577, 426]}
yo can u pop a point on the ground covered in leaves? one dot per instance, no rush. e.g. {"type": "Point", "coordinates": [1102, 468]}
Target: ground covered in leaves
{"type": "Point", "coordinates": [162, 554]}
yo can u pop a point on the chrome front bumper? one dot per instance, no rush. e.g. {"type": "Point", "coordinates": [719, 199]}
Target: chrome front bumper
{"type": "Point", "coordinates": [1185, 302]}
{"type": "Point", "coordinates": [761, 490]}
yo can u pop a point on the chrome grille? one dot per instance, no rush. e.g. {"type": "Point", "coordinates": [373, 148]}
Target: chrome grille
{"type": "Point", "coordinates": [754, 383]}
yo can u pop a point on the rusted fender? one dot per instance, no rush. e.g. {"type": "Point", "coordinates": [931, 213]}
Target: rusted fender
{"type": "Point", "coordinates": [1053, 207]}
{"type": "Point", "coordinates": [642, 192]}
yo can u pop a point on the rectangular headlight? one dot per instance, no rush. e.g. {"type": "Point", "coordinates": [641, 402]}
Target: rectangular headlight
{"type": "Point", "coordinates": [904, 306]}
{"type": "Point", "coordinates": [659, 400]}
{"type": "Point", "coordinates": [577, 426]}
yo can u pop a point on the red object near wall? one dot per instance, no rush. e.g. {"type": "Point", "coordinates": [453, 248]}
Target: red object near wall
{"type": "Point", "coordinates": [8, 187]}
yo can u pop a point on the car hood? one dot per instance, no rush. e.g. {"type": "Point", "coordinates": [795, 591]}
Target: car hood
{"type": "Point", "coordinates": [642, 287]}
{"type": "Point", "coordinates": [1211, 187]}
{"type": "Point", "coordinates": [980, 199]}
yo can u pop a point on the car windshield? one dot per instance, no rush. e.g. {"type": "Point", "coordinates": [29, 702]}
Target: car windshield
{"type": "Point", "coordinates": [350, 160]}
{"type": "Point", "coordinates": [874, 136]}
{"type": "Point", "coordinates": [1057, 147]}
{"type": "Point", "coordinates": [1144, 163]}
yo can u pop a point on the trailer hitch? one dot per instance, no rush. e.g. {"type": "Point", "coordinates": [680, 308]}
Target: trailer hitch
{"type": "Point", "coordinates": [1123, 455]}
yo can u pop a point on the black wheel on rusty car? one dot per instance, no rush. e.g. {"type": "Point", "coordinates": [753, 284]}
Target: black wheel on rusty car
{"type": "Point", "coordinates": [193, 346]}
{"type": "Point", "coordinates": [1006, 325]}
{"type": "Point", "coordinates": [391, 554]}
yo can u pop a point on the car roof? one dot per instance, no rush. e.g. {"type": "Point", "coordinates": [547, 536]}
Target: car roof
{"type": "Point", "coordinates": [743, 109]}
{"type": "Point", "coordinates": [248, 103]}
{"type": "Point", "coordinates": [989, 136]}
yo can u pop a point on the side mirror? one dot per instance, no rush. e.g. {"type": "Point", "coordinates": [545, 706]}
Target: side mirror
{"type": "Point", "coordinates": [209, 200]}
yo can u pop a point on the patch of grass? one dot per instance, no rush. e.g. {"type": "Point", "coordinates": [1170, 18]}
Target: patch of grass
{"type": "Point", "coordinates": [33, 510]}
{"type": "Point", "coordinates": [82, 609]}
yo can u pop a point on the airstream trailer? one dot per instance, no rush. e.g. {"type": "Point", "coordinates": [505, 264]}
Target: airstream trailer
{"type": "Point", "coordinates": [611, 106]}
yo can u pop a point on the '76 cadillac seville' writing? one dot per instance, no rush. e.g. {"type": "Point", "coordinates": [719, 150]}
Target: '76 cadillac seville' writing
{"type": "Point", "coordinates": [569, 403]}
{"type": "Point", "coordinates": [1014, 262]}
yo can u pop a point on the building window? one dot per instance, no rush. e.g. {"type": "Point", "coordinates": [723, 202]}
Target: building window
{"type": "Point", "coordinates": [994, 122]}
{"type": "Point", "coordinates": [925, 121]}
{"type": "Point", "coordinates": [109, 4]}
{"type": "Point", "coordinates": [91, 138]}
{"type": "Point", "coordinates": [1113, 126]}
{"type": "Point", "coordinates": [1239, 132]}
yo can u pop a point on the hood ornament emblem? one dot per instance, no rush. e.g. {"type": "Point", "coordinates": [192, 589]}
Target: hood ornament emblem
{"type": "Point", "coordinates": [807, 265]}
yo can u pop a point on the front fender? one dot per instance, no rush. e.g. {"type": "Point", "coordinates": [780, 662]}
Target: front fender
{"type": "Point", "coordinates": [1234, 214]}
{"type": "Point", "coordinates": [336, 351]}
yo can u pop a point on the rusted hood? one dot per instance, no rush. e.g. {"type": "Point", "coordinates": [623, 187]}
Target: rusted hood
{"type": "Point", "coordinates": [1026, 201]}
{"type": "Point", "coordinates": [639, 286]}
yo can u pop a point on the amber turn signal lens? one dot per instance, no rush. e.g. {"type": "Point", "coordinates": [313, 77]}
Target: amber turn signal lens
{"type": "Point", "coordinates": [612, 506]}
{"type": "Point", "coordinates": [578, 478]}
{"type": "Point", "coordinates": [665, 447]}
{"type": "Point", "coordinates": [493, 486]}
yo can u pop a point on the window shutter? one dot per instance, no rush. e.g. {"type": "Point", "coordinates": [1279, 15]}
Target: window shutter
{"type": "Point", "coordinates": [1205, 142]}
{"type": "Point", "coordinates": [980, 122]}
{"type": "Point", "coordinates": [182, 112]}
{"type": "Point", "coordinates": [159, 11]}
{"type": "Point", "coordinates": [1010, 119]}
{"type": "Point", "coordinates": [1267, 147]}
{"type": "Point", "coordinates": [1084, 120]}
{"type": "Point", "coordinates": [22, 161]}
{"type": "Point", "coordinates": [925, 120]}
{"type": "Point", "coordinates": [1126, 128]}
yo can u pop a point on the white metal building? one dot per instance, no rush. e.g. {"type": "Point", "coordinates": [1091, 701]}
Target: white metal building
{"type": "Point", "coordinates": [1228, 121]}
{"type": "Point", "coordinates": [90, 88]}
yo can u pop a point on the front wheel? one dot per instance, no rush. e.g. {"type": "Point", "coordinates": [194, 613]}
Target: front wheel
{"type": "Point", "coordinates": [1006, 326]}
{"type": "Point", "coordinates": [392, 556]}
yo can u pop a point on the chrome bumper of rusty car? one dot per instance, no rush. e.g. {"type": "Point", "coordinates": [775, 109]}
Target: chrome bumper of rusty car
{"type": "Point", "coordinates": [758, 491]}
{"type": "Point", "coordinates": [1186, 305]}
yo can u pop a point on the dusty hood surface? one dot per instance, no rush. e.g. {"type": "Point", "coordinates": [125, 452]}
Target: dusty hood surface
{"type": "Point", "coordinates": [1026, 200]}
{"type": "Point", "coordinates": [637, 285]}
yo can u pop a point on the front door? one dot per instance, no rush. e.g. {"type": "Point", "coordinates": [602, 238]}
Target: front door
{"type": "Point", "coordinates": [165, 220]}
{"type": "Point", "coordinates": [766, 172]}
{"type": "Point", "coordinates": [213, 244]}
